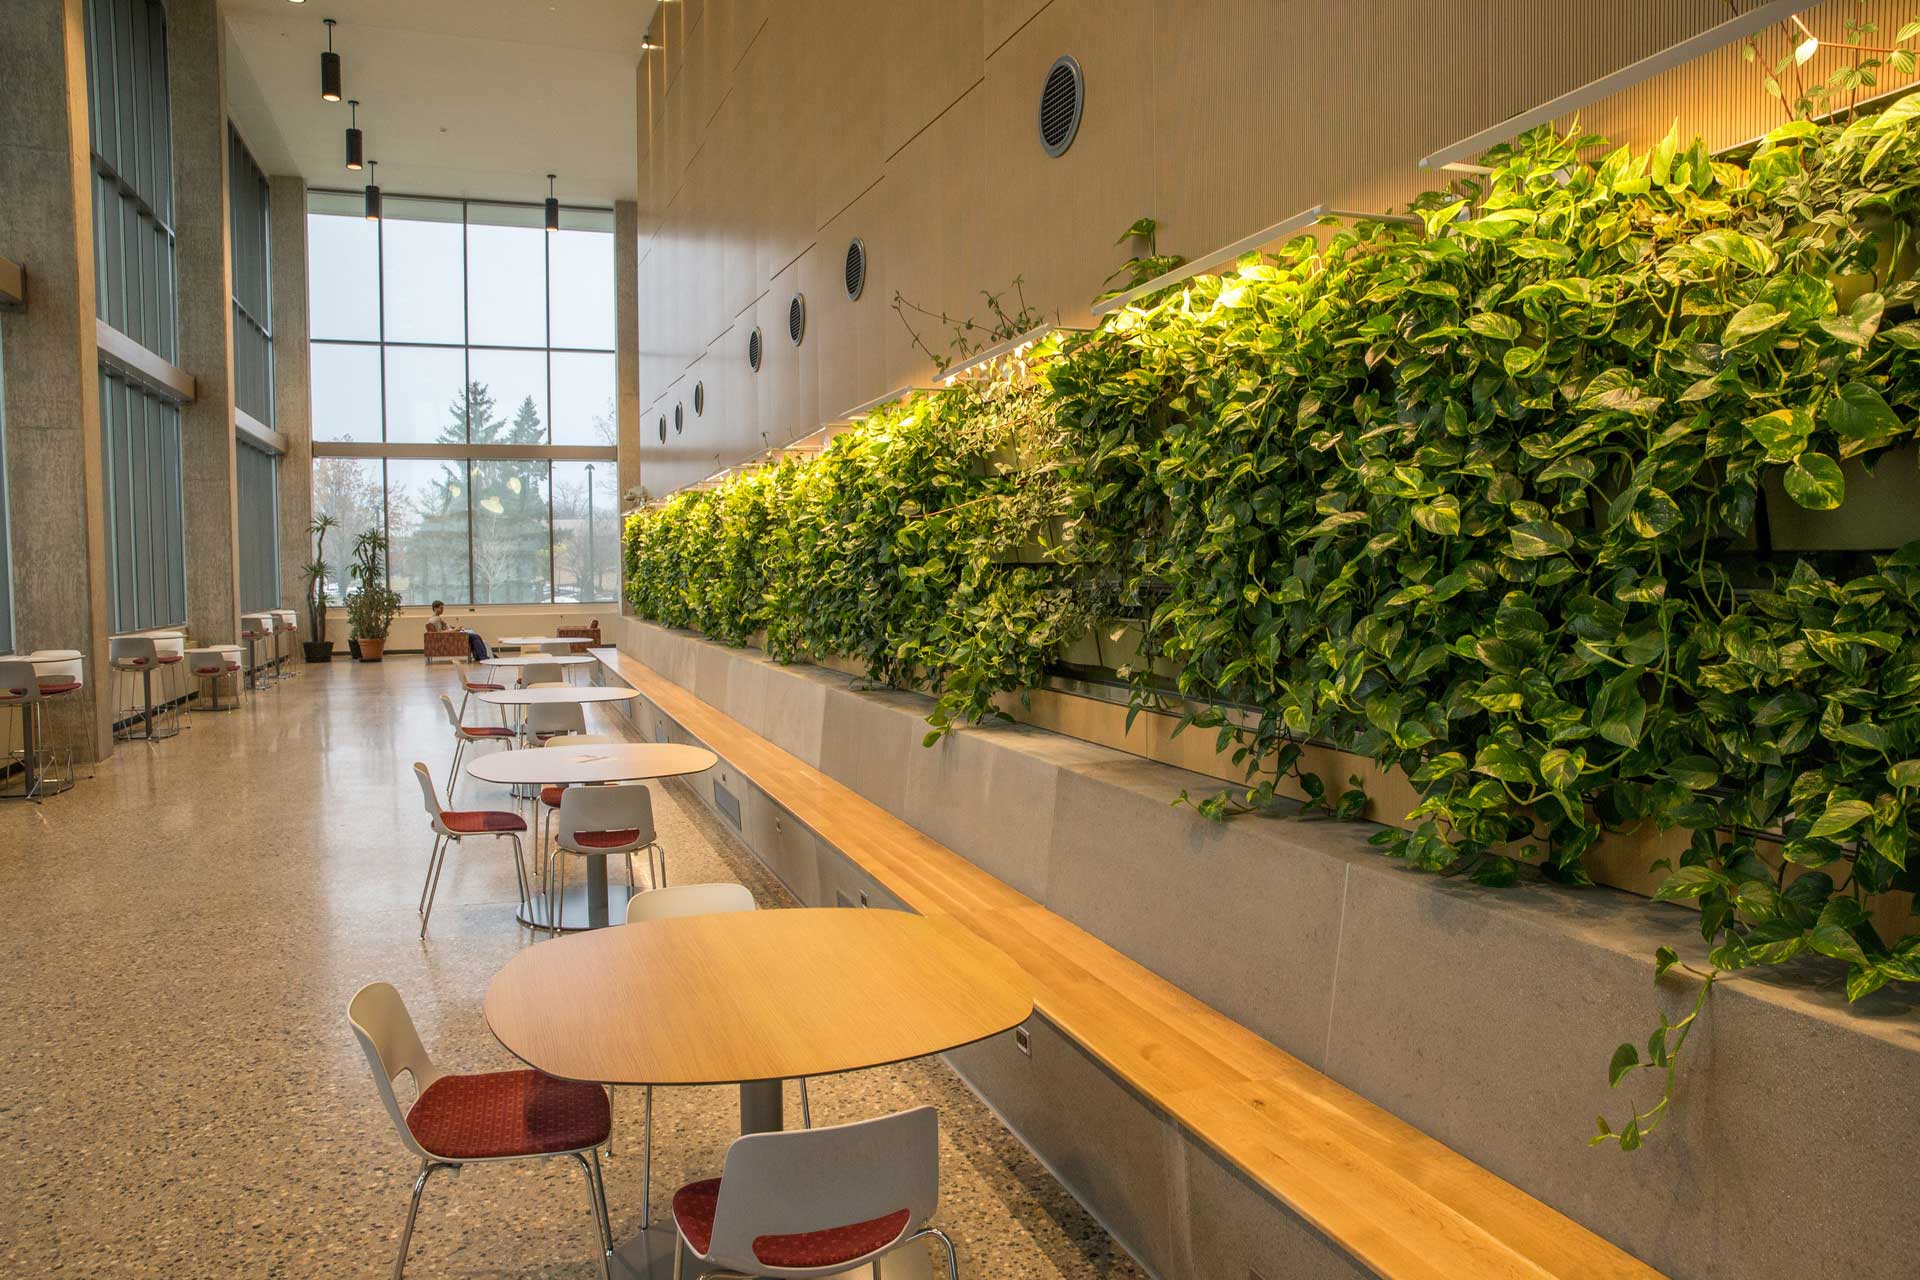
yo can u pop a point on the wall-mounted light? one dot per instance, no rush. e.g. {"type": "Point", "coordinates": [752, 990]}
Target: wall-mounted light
{"type": "Point", "coordinates": [373, 191]}
{"type": "Point", "coordinates": [356, 145]}
{"type": "Point", "coordinates": [330, 68]}
{"type": "Point", "coordinates": [1014, 346]}
{"type": "Point", "coordinates": [553, 206]}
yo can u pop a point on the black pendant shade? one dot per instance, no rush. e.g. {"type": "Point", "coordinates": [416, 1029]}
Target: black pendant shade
{"type": "Point", "coordinates": [330, 69]}
{"type": "Point", "coordinates": [356, 144]}
{"type": "Point", "coordinates": [373, 191]}
{"type": "Point", "coordinates": [553, 207]}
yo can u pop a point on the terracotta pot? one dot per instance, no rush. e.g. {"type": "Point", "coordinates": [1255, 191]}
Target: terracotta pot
{"type": "Point", "coordinates": [372, 649]}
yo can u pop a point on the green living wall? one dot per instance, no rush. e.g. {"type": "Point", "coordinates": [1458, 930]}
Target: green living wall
{"type": "Point", "coordinates": [1483, 499]}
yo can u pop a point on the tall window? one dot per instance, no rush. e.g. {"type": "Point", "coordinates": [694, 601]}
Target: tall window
{"type": "Point", "coordinates": [127, 108]}
{"type": "Point", "coordinates": [463, 395]}
{"type": "Point", "coordinates": [252, 287]}
{"type": "Point", "coordinates": [257, 495]}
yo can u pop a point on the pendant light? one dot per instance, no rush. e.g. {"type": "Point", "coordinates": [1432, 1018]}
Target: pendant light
{"type": "Point", "coordinates": [373, 191]}
{"type": "Point", "coordinates": [356, 146]}
{"type": "Point", "coordinates": [553, 207]}
{"type": "Point", "coordinates": [330, 68]}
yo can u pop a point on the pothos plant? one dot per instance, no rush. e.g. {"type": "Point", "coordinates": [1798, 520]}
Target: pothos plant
{"type": "Point", "coordinates": [1477, 499]}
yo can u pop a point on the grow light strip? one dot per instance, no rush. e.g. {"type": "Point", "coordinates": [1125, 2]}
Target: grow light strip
{"type": "Point", "coordinates": [1228, 254]}
{"type": "Point", "coordinates": [868, 406]}
{"type": "Point", "coordinates": [1012, 346]}
{"type": "Point", "coordinates": [1626, 77]}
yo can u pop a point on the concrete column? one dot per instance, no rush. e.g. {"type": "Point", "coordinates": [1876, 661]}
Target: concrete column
{"type": "Point", "coordinates": [626, 346]}
{"type": "Point", "coordinates": [56, 498]}
{"type": "Point", "coordinates": [203, 234]}
{"type": "Point", "coordinates": [292, 396]}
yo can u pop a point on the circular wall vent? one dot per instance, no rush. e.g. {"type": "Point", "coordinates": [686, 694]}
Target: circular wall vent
{"type": "Point", "coordinates": [797, 318]}
{"type": "Point", "coordinates": [699, 398]}
{"type": "Point", "coordinates": [679, 418]}
{"type": "Point", "coordinates": [753, 348]}
{"type": "Point", "coordinates": [1061, 99]}
{"type": "Point", "coordinates": [663, 428]}
{"type": "Point", "coordinates": [856, 269]}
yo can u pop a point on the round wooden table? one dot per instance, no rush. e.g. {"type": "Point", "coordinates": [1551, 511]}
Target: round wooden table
{"type": "Point", "coordinates": [752, 998]}
{"type": "Point", "coordinates": [601, 762]}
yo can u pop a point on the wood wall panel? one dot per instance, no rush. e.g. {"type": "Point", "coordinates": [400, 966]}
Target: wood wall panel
{"type": "Point", "coordinates": [772, 132]}
{"type": "Point", "coordinates": [933, 56]}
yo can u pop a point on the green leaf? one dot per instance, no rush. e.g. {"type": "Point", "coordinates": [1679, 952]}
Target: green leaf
{"type": "Point", "coordinates": [1748, 252]}
{"type": "Point", "coordinates": [1860, 417]}
{"type": "Point", "coordinates": [1535, 539]}
{"type": "Point", "coordinates": [1664, 959]}
{"type": "Point", "coordinates": [1491, 324]}
{"type": "Point", "coordinates": [1751, 323]}
{"type": "Point", "coordinates": [1625, 1059]}
{"type": "Point", "coordinates": [1560, 767]}
{"type": "Point", "coordinates": [1619, 713]}
{"type": "Point", "coordinates": [1839, 818]}
{"type": "Point", "coordinates": [1782, 433]}
{"type": "Point", "coordinates": [1689, 882]}
{"type": "Point", "coordinates": [1814, 481]}
{"type": "Point", "coordinates": [1441, 516]}
{"type": "Point", "coordinates": [1905, 774]}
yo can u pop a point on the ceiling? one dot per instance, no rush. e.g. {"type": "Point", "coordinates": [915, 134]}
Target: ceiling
{"type": "Point", "coordinates": [457, 97]}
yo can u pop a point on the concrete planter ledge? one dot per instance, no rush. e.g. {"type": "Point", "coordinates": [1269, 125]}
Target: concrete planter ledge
{"type": "Point", "coordinates": [1483, 1018]}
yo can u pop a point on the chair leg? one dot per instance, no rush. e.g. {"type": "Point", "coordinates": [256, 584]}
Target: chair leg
{"type": "Point", "coordinates": [432, 858]}
{"type": "Point", "coordinates": [597, 1205]}
{"type": "Point", "coordinates": [433, 890]}
{"type": "Point", "coordinates": [520, 871]}
{"type": "Point", "coordinates": [679, 1254]}
{"type": "Point", "coordinates": [806, 1107]}
{"type": "Point", "coordinates": [413, 1212]}
{"type": "Point", "coordinates": [953, 1258]}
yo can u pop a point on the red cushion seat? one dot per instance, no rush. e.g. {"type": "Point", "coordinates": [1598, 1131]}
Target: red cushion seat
{"type": "Point", "coordinates": [49, 687]}
{"type": "Point", "coordinates": [479, 822]}
{"type": "Point", "coordinates": [550, 796]}
{"type": "Point", "coordinates": [167, 659]}
{"type": "Point", "coordinates": [486, 731]}
{"type": "Point", "coordinates": [484, 688]}
{"type": "Point", "coordinates": [508, 1113]}
{"type": "Point", "coordinates": [693, 1209]}
{"type": "Point", "coordinates": [606, 839]}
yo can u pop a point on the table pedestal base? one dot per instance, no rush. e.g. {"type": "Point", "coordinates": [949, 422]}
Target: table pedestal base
{"type": "Point", "coordinates": [649, 1256]}
{"type": "Point", "coordinates": [576, 912]}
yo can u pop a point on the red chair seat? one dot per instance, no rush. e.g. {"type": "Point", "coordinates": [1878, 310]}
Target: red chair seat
{"type": "Point", "coordinates": [486, 731]}
{"type": "Point", "coordinates": [56, 686]}
{"type": "Point", "coordinates": [484, 688]}
{"type": "Point", "coordinates": [693, 1208]}
{"type": "Point", "coordinates": [478, 822]}
{"type": "Point", "coordinates": [168, 659]}
{"type": "Point", "coordinates": [605, 839]}
{"type": "Point", "coordinates": [550, 796]}
{"type": "Point", "coordinates": [509, 1113]}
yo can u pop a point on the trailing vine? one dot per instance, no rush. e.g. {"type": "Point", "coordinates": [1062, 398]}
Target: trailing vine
{"type": "Point", "coordinates": [1481, 500]}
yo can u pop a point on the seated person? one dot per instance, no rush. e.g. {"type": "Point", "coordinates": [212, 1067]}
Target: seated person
{"type": "Point", "coordinates": [438, 622]}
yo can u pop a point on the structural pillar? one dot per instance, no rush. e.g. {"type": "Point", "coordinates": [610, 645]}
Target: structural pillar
{"type": "Point", "coordinates": [203, 234]}
{"type": "Point", "coordinates": [56, 500]}
{"type": "Point", "coordinates": [626, 347]}
{"type": "Point", "coordinates": [292, 397]}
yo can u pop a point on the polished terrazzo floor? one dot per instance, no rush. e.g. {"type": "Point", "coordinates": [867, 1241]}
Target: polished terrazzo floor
{"type": "Point", "coordinates": [181, 1094]}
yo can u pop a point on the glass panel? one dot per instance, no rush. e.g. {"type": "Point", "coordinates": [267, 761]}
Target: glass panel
{"type": "Point", "coordinates": [427, 520]}
{"type": "Point", "coordinates": [421, 278]}
{"type": "Point", "coordinates": [506, 276]}
{"type": "Point", "coordinates": [424, 402]}
{"type": "Point", "coordinates": [343, 278]}
{"type": "Point", "coordinates": [352, 492]}
{"type": "Point", "coordinates": [509, 397]}
{"type": "Point", "coordinates": [346, 392]}
{"type": "Point", "coordinates": [586, 531]}
{"type": "Point", "coordinates": [581, 263]}
{"type": "Point", "coordinates": [512, 561]}
{"type": "Point", "coordinates": [583, 410]}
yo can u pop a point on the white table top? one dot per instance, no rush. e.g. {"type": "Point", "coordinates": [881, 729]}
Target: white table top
{"type": "Point", "coordinates": [522, 641]}
{"type": "Point", "coordinates": [556, 693]}
{"type": "Point", "coordinates": [603, 762]}
{"type": "Point", "coordinates": [529, 659]}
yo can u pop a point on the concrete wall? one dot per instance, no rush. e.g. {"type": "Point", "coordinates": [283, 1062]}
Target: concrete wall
{"type": "Point", "coordinates": [1485, 1018]}
{"type": "Point", "coordinates": [292, 397]}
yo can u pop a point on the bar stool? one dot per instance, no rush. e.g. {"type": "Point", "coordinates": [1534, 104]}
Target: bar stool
{"type": "Point", "coordinates": [172, 648]}
{"type": "Point", "coordinates": [23, 686]}
{"type": "Point", "coordinates": [209, 667]}
{"type": "Point", "coordinates": [255, 627]}
{"type": "Point", "coordinates": [285, 623]}
{"type": "Point", "coordinates": [138, 655]}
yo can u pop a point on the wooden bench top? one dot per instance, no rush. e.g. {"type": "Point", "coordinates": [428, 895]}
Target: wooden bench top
{"type": "Point", "coordinates": [1402, 1203]}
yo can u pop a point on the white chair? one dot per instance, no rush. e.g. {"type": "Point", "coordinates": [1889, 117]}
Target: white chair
{"type": "Point", "coordinates": [138, 655]}
{"type": "Point", "coordinates": [209, 667]}
{"type": "Point", "coordinates": [25, 685]}
{"type": "Point", "coordinates": [285, 624]}
{"type": "Point", "coordinates": [452, 825]}
{"type": "Point", "coordinates": [467, 733]}
{"type": "Point", "coordinates": [602, 821]}
{"type": "Point", "coordinates": [551, 719]}
{"type": "Point", "coordinates": [816, 1202]}
{"type": "Point", "coordinates": [538, 675]}
{"type": "Point", "coordinates": [667, 904]}
{"type": "Point", "coordinates": [472, 1119]}
{"type": "Point", "coordinates": [549, 797]}
{"type": "Point", "coordinates": [558, 648]}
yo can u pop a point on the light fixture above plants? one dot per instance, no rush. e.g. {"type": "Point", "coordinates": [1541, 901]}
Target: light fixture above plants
{"type": "Point", "coordinates": [356, 143]}
{"type": "Point", "coordinates": [329, 68]}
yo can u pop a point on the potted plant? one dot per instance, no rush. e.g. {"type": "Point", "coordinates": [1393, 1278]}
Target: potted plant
{"type": "Point", "coordinates": [372, 604]}
{"type": "Point", "coordinates": [319, 648]}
